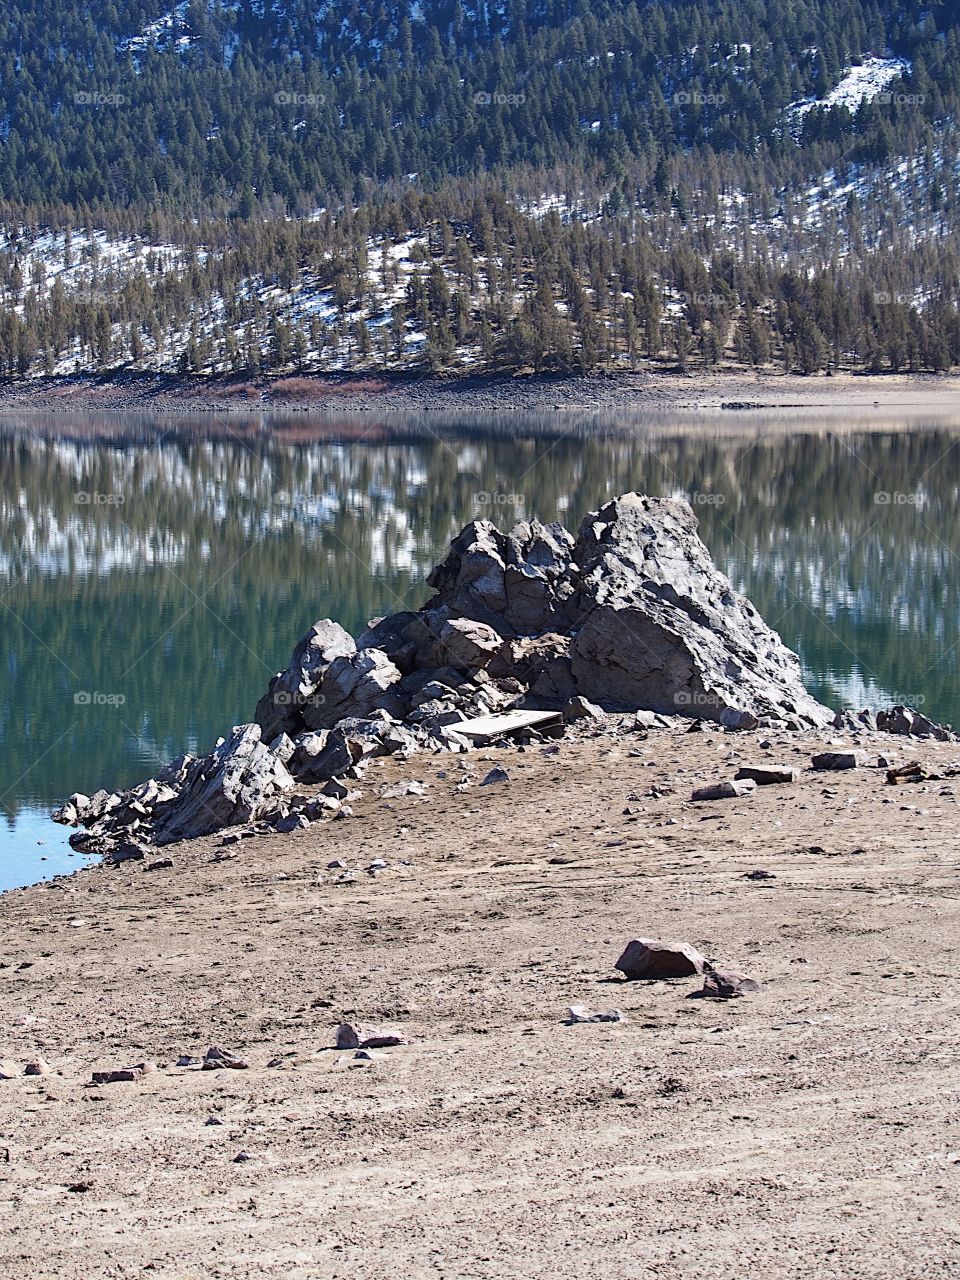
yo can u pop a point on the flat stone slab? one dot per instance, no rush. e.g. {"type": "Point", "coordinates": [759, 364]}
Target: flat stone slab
{"type": "Point", "coordinates": [725, 790]}
{"type": "Point", "coordinates": [838, 760]}
{"type": "Point", "coordinates": [487, 728]}
{"type": "Point", "coordinates": [122, 1075]}
{"type": "Point", "coordinates": [765, 775]}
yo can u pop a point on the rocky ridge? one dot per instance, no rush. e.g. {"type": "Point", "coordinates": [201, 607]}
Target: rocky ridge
{"type": "Point", "coordinates": [630, 617]}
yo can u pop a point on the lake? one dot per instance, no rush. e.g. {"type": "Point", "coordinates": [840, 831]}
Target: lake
{"type": "Point", "coordinates": [155, 572]}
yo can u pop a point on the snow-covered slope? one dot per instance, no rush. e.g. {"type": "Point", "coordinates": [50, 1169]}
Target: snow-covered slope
{"type": "Point", "coordinates": [861, 83]}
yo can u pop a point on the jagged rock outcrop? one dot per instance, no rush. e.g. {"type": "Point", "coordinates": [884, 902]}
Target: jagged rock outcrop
{"type": "Point", "coordinates": [517, 583]}
{"type": "Point", "coordinates": [353, 686]}
{"type": "Point", "coordinates": [658, 626]}
{"type": "Point", "coordinates": [630, 615]}
{"type": "Point", "coordinates": [280, 710]}
{"type": "Point", "coordinates": [913, 724]}
{"type": "Point", "coordinates": [899, 719]}
{"type": "Point", "coordinates": [235, 783]}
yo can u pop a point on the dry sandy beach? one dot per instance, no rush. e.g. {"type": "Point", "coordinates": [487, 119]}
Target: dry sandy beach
{"type": "Point", "coordinates": [812, 1129]}
{"type": "Point", "coordinates": [699, 390]}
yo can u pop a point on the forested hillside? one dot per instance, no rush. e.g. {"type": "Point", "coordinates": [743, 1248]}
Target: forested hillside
{"type": "Point", "coordinates": [303, 187]}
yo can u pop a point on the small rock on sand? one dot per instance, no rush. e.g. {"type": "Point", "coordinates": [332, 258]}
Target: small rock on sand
{"type": "Point", "coordinates": [354, 1035]}
{"type": "Point", "coordinates": [727, 984]}
{"type": "Point", "coordinates": [496, 774]}
{"type": "Point", "coordinates": [414, 788]}
{"type": "Point", "coordinates": [579, 708]}
{"type": "Point", "coordinates": [580, 1013]}
{"type": "Point", "coordinates": [649, 958]}
{"type": "Point", "coordinates": [217, 1059]}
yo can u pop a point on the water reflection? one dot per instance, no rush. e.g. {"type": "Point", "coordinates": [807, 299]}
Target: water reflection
{"type": "Point", "coordinates": [154, 573]}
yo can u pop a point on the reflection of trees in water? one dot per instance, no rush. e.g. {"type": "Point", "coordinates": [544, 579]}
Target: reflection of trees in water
{"type": "Point", "coordinates": [188, 594]}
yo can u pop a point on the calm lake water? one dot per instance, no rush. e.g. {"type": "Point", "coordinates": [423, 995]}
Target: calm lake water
{"type": "Point", "coordinates": [155, 572]}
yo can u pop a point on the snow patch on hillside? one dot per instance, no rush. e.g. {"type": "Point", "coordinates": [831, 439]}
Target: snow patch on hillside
{"type": "Point", "coordinates": [169, 30]}
{"type": "Point", "coordinates": [861, 83]}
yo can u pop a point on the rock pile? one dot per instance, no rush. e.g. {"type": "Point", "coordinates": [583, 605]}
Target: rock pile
{"type": "Point", "coordinates": [631, 615]}
{"type": "Point", "coordinates": [899, 719]}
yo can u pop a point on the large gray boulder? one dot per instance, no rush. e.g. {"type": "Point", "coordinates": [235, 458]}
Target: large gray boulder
{"type": "Point", "coordinates": [658, 626]}
{"type": "Point", "coordinates": [280, 709]}
{"type": "Point", "coordinates": [641, 615]}
{"type": "Point", "coordinates": [354, 686]}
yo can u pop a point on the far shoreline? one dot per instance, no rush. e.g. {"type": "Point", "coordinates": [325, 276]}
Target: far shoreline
{"type": "Point", "coordinates": [701, 391]}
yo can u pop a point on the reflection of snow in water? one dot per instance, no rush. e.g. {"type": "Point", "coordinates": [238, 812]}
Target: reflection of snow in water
{"type": "Point", "coordinates": [76, 546]}
{"type": "Point", "coordinates": [860, 690]}
{"type": "Point", "coordinates": [104, 509]}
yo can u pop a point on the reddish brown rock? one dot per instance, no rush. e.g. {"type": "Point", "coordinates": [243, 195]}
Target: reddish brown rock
{"type": "Point", "coordinates": [651, 959]}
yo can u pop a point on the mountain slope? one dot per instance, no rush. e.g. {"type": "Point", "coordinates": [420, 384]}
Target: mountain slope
{"type": "Point", "coordinates": [317, 187]}
{"type": "Point", "coordinates": [225, 105]}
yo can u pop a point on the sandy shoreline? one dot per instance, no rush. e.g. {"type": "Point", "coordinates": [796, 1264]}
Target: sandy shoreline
{"type": "Point", "coordinates": [699, 392]}
{"type": "Point", "coordinates": [807, 1128]}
